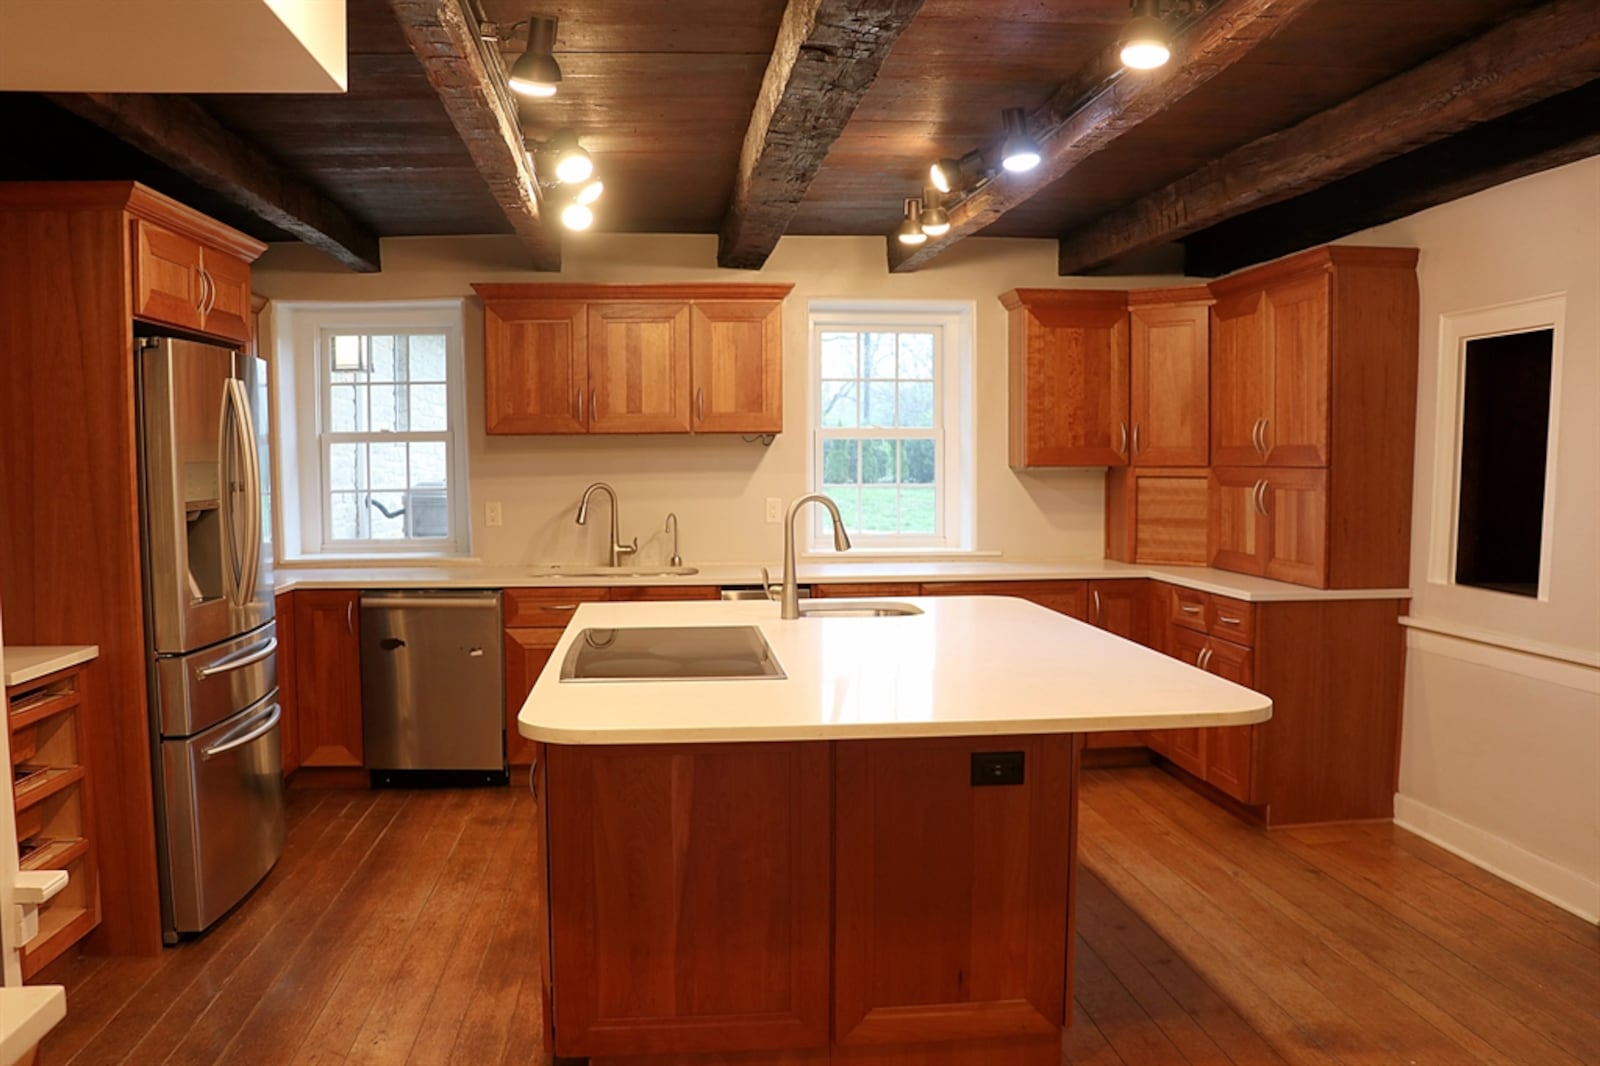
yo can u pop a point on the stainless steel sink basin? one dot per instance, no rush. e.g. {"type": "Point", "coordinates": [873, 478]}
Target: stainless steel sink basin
{"type": "Point", "coordinates": [613, 571]}
{"type": "Point", "coordinates": [670, 653]}
{"type": "Point", "coordinates": [859, 609]}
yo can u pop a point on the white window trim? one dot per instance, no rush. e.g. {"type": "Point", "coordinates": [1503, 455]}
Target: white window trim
{"type": "Point", "coordinates": [1455, 330]}
{"type": "Point", "coordinates": [953, 376]}
{"type": "Point", "coordinates": [298, 385]}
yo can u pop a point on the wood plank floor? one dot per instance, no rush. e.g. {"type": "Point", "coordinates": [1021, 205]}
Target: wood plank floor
{"type": "Point", "coordinates": [396, 929]}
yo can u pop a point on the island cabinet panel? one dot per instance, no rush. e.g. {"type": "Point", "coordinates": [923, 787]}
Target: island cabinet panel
{"type": "Point", "coordinates": [327, 676]}
{"type": "Point", "coordinates": [527, 650]}
{"type": "Point", "coordinates": [1068, 377]}
{"type": "Point", "coordinates": [689, 897]}
{"type": "Point", "coordinates": [949, 923]}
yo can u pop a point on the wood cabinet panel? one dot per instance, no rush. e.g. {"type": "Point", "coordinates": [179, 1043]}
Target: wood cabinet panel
{"type": "Point", "coordinates": [639, 368]}
{"type": "Point", "coordinates": [228, 312]}
{"type": "Point", "coordinates": [1070, 598]}
{"type": "Point", "coordinates": [949, 924]}
{"type": "Point", "coordinates": [288, 696]}
{"type": "Point", "coordinates": [737, 366]}
{"type": "Point", "coordinates": [689, 897]}
{"type": "Point", "coordinates": [527, 650]}
{"type": "Point", "coordinates": [1170, 382]}
{"type": "Point", "coordinates": [1156, 515]}
{"type": "Point", "coordinates": [1237, 531]}
{"type": "Point", "coordinates": [1241, 377]}
{"type": "Point", "coordinates": [869, 591]}
{"type": "Point", "coordinates": [1296, 428]}
{"type": "Point", "coordinates": [327, 676]}
{"type": "Point", "coordinates": [536, 368]}
{"type": "Point", "coordinates": [1068, 377]}
{"type": "Point", "coordinates": [166, 276]}
{"type": "Point", "coordinates": [1230, 750]}
{"type": "Point", "coordinates": [1119, 607]}
{"type": "Point", "coordinates": [1296, 503]}
{"type": "Point", "coordinates": [547, 606]}
{"type": "Point", "coordinates": [646, 593]}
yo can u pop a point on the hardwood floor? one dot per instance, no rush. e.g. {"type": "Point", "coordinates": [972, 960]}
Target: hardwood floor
{"type": "Point", "coordinates": [397, 929]}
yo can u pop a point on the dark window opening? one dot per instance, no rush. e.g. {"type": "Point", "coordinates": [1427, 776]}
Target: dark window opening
{"type": "Point", "coordinates": [1505, 422]}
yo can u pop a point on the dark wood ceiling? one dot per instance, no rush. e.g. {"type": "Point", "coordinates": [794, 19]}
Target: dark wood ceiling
{"type": "Point", "coordinates": [662, 95]}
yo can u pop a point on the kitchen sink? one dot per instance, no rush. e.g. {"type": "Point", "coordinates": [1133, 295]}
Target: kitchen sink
{"type": "Point", "coordinates": [613, 571]}
{"type": "Point", "coordinates": [670, 653]}
{"type": "Point", "coordinates": [858, 609]}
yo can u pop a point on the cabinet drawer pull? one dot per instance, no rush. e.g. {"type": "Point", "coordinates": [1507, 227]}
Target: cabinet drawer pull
{"type": "Point", "coordinates": [558, 607]}
{"type": "Point", "coordinates": [1225, 620]}
{"type": "Point", "coordinates": [700, 402]}
{"type": "Point", "coordinates": [1189, 608]}
{"type": "Point", "coordinates": [350, 616]}
{"type": "Point", "coordinates": [1097, 605]}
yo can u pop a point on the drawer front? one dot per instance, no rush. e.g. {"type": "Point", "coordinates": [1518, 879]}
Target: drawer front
{"type": "Point", "coordinates": [1190, 609]}
{"type": "Point", "coordinates": [1231, 620]}
{"type": "Point", "coordinates": [545, 606]}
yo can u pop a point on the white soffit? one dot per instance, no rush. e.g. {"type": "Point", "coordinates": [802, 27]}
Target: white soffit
{"type": "Point", "coordinates": [173, 46]}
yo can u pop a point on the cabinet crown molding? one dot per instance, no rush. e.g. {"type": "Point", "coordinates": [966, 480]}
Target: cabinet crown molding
{"type": "Point", "coordinates": [138, 200]}
{"type": "Point", "coordinates": [590, 292]}
{"type": "Point", "coordinates": [1324, 259]}
{"type": "Point", "coordinates": [1076, 298]}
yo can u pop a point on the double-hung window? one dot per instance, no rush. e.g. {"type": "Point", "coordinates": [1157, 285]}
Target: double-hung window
{"type": "Point", "coordinates": [380, 430]}
{"type": "Point", "coordinates": [892, 422]}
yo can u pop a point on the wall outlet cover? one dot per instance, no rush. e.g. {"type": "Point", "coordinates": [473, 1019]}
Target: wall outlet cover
{"type": "Point", "coordinates": [491, 513]}
{"type": "Point", "coordinates": [774, 509]}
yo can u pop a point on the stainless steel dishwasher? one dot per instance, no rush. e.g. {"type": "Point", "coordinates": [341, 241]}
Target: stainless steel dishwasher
{"type": "Point", "coordinates": [432, 688]}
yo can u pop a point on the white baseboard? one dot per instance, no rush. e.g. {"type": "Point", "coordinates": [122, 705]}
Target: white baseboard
{"type": "Point", "coordinates": [1568, 889]}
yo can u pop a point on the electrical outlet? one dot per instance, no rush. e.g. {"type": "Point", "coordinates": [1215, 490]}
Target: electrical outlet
{"type": "Point", "coordinates": [491, 513]}
{"type": "Point", "coordinates": [774, 509]}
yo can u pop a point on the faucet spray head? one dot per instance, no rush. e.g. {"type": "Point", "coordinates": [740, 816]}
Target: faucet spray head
{"type": "Point", "coordinates": [841, 539]}
{"type": "Point", "coordinates": [583, 511]}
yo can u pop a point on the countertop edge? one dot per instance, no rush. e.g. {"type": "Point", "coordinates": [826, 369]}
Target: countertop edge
{"type": "Point", "coordinates": [26, 662]}
{"type": "Point", "coordinates": [30, 1012]}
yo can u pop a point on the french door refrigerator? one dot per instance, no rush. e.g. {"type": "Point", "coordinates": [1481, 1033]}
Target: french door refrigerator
{"type": "Point", "coordinates": [212, 641]}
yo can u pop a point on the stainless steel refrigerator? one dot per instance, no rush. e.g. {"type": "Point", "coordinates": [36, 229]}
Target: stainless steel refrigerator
{"type": "Point", "coordinates": [204, 493]}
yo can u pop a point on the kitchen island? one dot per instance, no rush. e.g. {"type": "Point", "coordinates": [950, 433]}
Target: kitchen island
{"type": "Point", "coordinates": [868, 859]}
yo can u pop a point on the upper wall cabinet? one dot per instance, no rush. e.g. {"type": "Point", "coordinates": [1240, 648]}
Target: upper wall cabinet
{"type": "Point", "coordinates": [633, 358]}
{"type": "Point", "coordinates": [181, 281]}
{"type": "Point", "coordinates": [1170, 376]}
{"type": "Point", "coordinates": [1069, 377]}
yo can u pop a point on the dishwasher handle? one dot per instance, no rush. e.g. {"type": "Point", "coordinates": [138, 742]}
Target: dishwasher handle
{"type": "Point", "coordinates": [401, 601]}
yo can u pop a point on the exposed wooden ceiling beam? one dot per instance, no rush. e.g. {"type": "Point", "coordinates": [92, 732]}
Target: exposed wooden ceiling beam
{"type": "Point", "coordinates": [445, 39]}
{"type": "Point", "coordinates": [180, 134]}
{"type": "Point", "coordinates": [1088, 113]}
{"type": "Point", "coordinates": [1538, 54]}
{"type": "Point", "coordinates": [827, 56]}
{"type": "Point", "coordinates": [1551, 133]}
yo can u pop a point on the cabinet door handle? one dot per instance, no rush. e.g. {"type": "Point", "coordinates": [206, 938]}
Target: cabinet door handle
{"type": "Point", "coordinates": [1096, 594]}
{"type": "Point", "coordinates": [1204, 662]}
{"type": "Point", "coordinates": [580, 405]}
{"type": "Point", "coordinates": [200, 299]}
{"type": "Point", "coordinates": [350, 617]}
{"type": "Point", "coordinates": [1122, 441]}
{"type": "Point", "coordinates": [1136, 448]}
{"type": "Point", "coordinates": [1266, 426]}
{"type": "Point", "coordinates": [700, 404]}
{"type": "Point", "coordinates": [211, 290]}
{"type": "Point", "coordinates": [1258, 494]}
{"type": "Point", "coordinates": [1256, 438]}
{"type": "Point", "coordinates": [594, 403]}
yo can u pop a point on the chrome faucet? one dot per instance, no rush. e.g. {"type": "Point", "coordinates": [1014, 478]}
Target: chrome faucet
{"type": "Point", "coordinates": [841, 542]}
{"type": "Point", "coordinates": [616, 549]}
{"type": "Point", "coordinates": [677, 560]}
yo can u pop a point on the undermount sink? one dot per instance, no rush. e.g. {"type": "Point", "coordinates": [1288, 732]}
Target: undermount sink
{"type": "Point", "coordinates": [670, 653]}
{"type": "Point", "coordinates": [859, 609]}
{"type": "Point", "coordinates": [613, 571]}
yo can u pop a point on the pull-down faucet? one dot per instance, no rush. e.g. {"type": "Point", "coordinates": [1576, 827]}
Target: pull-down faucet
{"type": "Point", "coordinates": [616, 549]}
{"type": "Point", "coordinates": [841, 542]}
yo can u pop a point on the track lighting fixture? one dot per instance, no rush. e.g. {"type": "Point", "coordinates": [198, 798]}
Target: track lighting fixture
{"type": "Point", "coordinates": [536, 73]}
{"type": "Point", "coordinates": [576, 216]}
{"type": "Point", "coordinates": [945, 174]}
{"type": "Point", "coordinates": [1020, 152]}
{"type": "Point", "coordinates": [588, 192]}
{"type": "Point", "coordinates": [572, 162]}
{"type": "Point", "coordinates": [1146, 40]}
{"type": "Point", "coordinates": [935, 220]}
{"type": "Point", "coordinates": [910, 231]}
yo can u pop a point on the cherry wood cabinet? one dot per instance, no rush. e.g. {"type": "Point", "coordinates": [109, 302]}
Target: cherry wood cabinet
{"type": "Point", "coordinates": [71, 564]}
{"type": "Point", "coordinates": [181, 281]}
{"type": "Point", "coordinates": [327, 676]}
{"type": "Point", "coordinates": [1118, 607]}
{"type": "Point", "coordinates": [1156, 515]}
{"type": "Point", "coordinates": [1170, 377]}
{"type": "Point", "coordinates": [690, 897]}
{"type": "Point", "coordinates": [1224, 755]}
{"type": "Point", "coordinates": [1314, 366]}
{"type": "Point", "coordinates": [1068, 392]}
{"type": "Point", "coordinates": [1070, 598]}
{"type": "Point", "coordinates": [51, 783]}
{"type": "Point", "coordinates": [288, 695]}
{"type": "Point", "coordinates": [566, 358]}
{"type": "Point", "coordinates": [949, 923]}
{"type": "Point", "coordinates": [875, 590]}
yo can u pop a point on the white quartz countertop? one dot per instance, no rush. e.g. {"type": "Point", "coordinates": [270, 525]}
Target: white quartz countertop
{"type": "Point", "coordinates": [27, 1013]}
{"type": "Point", "coordinates": [1205, 579]}
{"type": "Point", "coordinates": [26, 663]}
{"type": "Point", "coordinates": [966, 666]}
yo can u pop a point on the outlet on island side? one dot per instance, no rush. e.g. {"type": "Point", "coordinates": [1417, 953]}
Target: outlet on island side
{"type": "Point", "coordinates": [491, 513]}
{"type": "Point", "coordinates": [774, 509]}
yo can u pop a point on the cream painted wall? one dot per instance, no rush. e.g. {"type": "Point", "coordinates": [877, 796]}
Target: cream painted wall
{"type": "Point", "coordinates": [718, 486]}
{"type": "Point", "coordinates": [1500, 753]}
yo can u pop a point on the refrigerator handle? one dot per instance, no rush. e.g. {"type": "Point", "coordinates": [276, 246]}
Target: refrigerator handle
{"type": "Point", "coordinates": [252, 461]}
{"type": "Point", "coordinates": [227, 441]}
{"type": "Point", "coordinates": [266, 726]}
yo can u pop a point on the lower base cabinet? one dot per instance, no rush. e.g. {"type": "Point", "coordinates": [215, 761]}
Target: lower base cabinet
{"type": "Point", "coordinates": [742, 902]}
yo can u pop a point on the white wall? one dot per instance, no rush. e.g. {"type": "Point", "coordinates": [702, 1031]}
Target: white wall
{"type": "Point", "coordinates": [717, 485]}
{"type": "Point", "coordinates": [1500, 753]}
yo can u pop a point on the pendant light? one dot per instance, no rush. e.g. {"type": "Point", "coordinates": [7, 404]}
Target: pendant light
{"type": "Point", "coordinates": [536, 73]}
{"type": "Point", "coordinates": [1020, 152]}
{"type": "Point", "coordinates": [935, 219]}
{"type": "Point", "coordinates": [1146, 41]}
{"type": "Point", "coordinates": [910, 231]}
